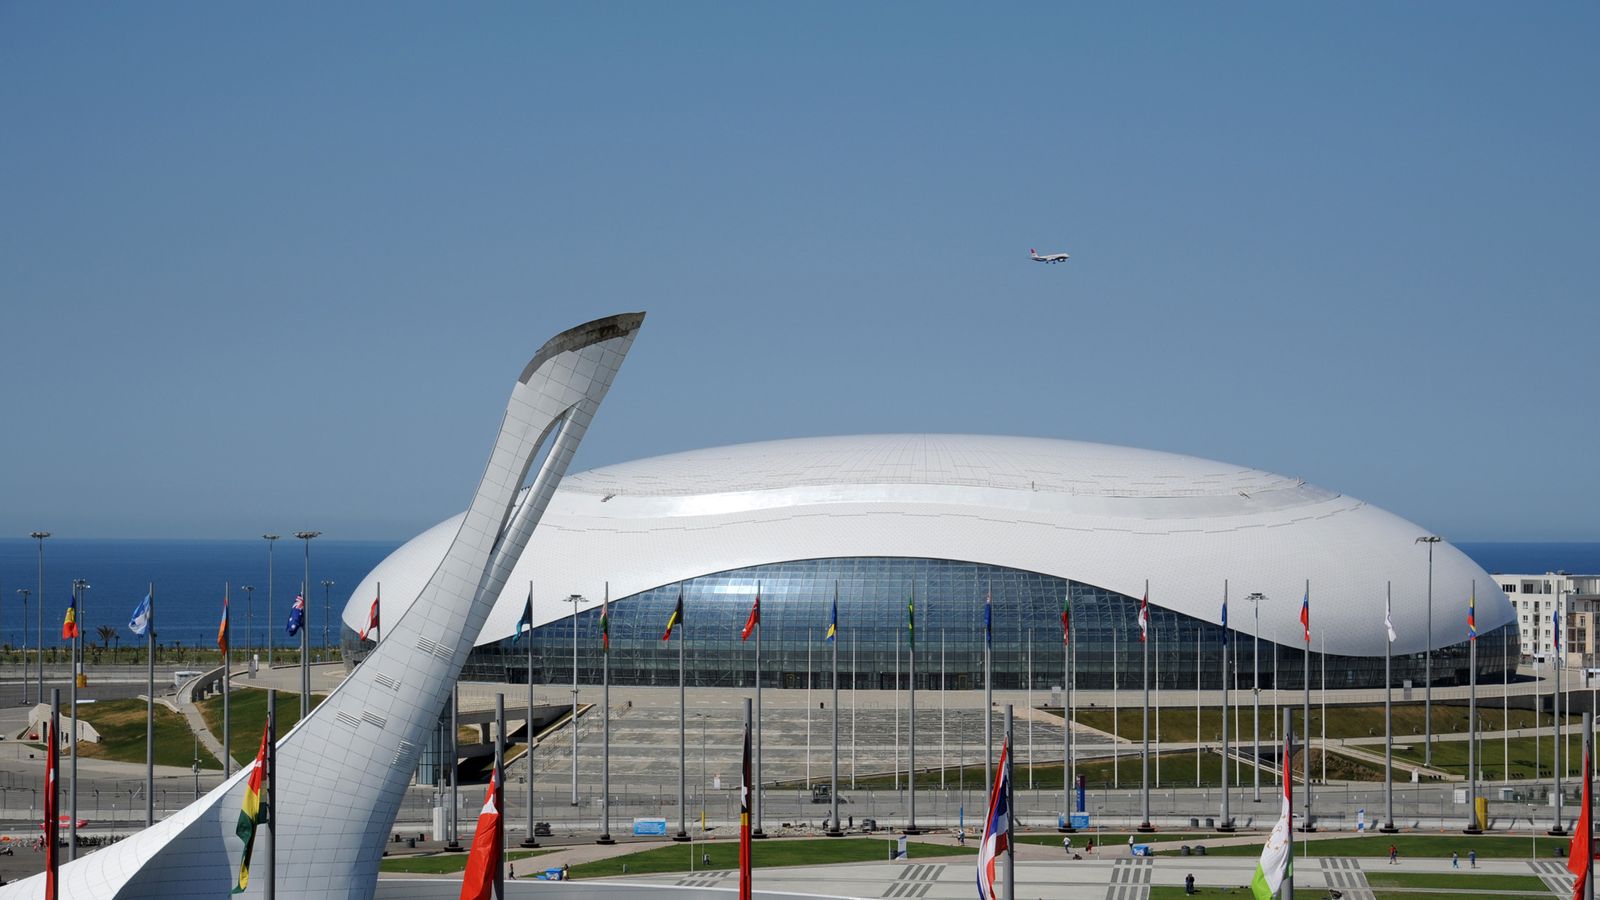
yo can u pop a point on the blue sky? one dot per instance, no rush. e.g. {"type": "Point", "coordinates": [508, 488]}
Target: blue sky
{"type": "Point", "coordinates": [276, 267]}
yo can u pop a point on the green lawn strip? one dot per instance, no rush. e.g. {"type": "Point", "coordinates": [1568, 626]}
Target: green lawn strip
{"type": "Point", "coordinates": [1343, 721]}
{"type": "Point", "coordinates": [1451, 756]}
{"type": "Point", "coordinates": [445, 863]}
{"type": "Point", "coordinates": [1431, 846]}
{"type": "Point", "coordinates": [1469, 881]}
{"type": "Point", "coordinates": [788, 852]}
{"type": "Point", "coordinates": [1111, 840]}
{"type": "Point", "coordinates": [1175, 892]}
{"type": "Point", "coordinates": [1177, 771]}
{"type": "Point", "coordinates": [247, 716]}
{"type": "Point", "coordinates": [121, 724]}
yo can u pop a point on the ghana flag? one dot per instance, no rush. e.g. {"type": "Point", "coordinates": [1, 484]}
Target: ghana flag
{"type": "Point", "coordinates": [251, 814]}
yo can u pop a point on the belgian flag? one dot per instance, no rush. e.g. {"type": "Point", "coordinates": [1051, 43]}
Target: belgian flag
{"type": "Point", "coordinates": [677, 617]}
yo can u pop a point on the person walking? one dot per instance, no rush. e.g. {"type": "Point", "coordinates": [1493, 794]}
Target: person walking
{"type": "Point", "coordinates": [1472, 859]}
{"type": "Point", "coordinates": [1066, 844]}
{"type": "Point", "coordinates": [1394, 854]}
{"type": "Point", "coordinates": [1455, 861]}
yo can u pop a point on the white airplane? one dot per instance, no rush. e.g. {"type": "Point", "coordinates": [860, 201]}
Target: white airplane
{"type": "Point", "coordinates": [1048, 257]}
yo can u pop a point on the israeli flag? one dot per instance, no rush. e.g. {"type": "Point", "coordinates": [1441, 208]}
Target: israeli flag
{"type": "Point", "coordinates": [140, 623]}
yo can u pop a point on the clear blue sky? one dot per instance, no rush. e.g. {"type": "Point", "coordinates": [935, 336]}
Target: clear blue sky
{"type": "Point", "coordinates": [277, 266]}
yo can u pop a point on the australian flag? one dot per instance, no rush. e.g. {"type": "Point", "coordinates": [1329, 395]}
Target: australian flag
{"type": "Point", "coordinates": [297, 615]}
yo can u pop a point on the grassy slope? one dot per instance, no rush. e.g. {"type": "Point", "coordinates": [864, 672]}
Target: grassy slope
{"type": "Point", "coordinates": [788, 852]}
{"type": "Point", "coordinates": [1419, 845]}
{"type": "Point", "coordinates": [121, 724]}
{"type": "Point", "coordinates": [445, 863]}
{"type": "Point", "coordinates": [1343, 721]}
{"type": "Point", "coordinates": [1451, 756]}
{"type": "Point", "coordinates": [247, 713]}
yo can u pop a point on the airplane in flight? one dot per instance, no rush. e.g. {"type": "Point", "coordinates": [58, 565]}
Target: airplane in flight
{"type": "Point", "coordinates": [1048, 257]}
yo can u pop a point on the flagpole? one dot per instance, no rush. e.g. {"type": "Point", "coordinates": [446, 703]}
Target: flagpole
{"type": "Point", "coordinates": [605, 722]}
{"type": "Point", "coordinates": [1226, 822]}
{"type": "Point", "coordinates": [1558, 828]}
{"type": "Point", "coordinates": [1066, 716]}
{"type": "Point", "coordinates": [227, 660]}
{"type": "Point", "coordinates": [683, 713]}
{"type": "Point", "coordinates": [1307, 825]}
{"type": "Point", "coordinates": [1144, 726]}
{"type": "Point", "coordinates": [833, 782]}
{"type": "Point", "coordinates": [150, 713]}
{"type": "Point", "coordinates": [1472, 715]}
{"type": "Point", "coordinates": [497, 782]}
{"type": "Point", "coordinates": [911, 721]}
{"type": "Point", "coordinates": [530, 840]}
{"type": "Point", "coordinates": [52, 824]}
{"type": "Point", "coordinates": [1286, 890]}
{"type": "Point", "coordinates": [755, 785]}
{"type": "Point", "coordinates": [746, 795]}
{"type": "Point", "coordinates": [944, 689]}
{"type": "Point", "coordinates": [305, 659]}
{"type": "Point", "coordinates": [455, 772]}
{"type": "Point", "coordinates": [1011, 815]}
{"type": "Point", "coordinates": [1388, 715]}
{"type": "Point", "coordinates": [1255, 692]}
{"type": "Point", "coordinates": [72, 739]}
{"type": "Point", "coordinates": [1197, 668]}
{"type": "Point", "coordinates": [1322, 693]}
{"type": "Point", "coordinates": [988, 695]}
{"type": "Point", "coordinates": [1588, 805]}
{"type": "Point", "coordinates": [271, 802]}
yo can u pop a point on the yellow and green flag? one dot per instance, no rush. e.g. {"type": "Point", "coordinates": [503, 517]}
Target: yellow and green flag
{"type": "Point", "coordinates": [251, 814]}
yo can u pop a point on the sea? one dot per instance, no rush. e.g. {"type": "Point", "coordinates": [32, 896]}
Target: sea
{"type": "Point", "coordinates": [190, 576]}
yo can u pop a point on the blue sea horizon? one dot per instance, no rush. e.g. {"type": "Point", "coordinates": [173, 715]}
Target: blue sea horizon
{"type": "Point", "coordinates": [189, 577]}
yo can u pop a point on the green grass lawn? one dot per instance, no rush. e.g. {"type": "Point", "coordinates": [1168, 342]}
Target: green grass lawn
{"type": "Point", "coordinates": [1174, 892]}
{"type": "Point", "coordinates": [446, 863]}
{"type": "Point", "coordinates": [1114, 839]}
{"type": "Point", "coordinates": [1464, 880]}
{"type": "Point", "coordinates": [121, 724]}
{"type": "Point", "coordinates": [1436, 846]}
{"type": "Point", "coordinates": [1451, 756]}
{"type": "Point", "coordinates": [1177, 770]}
{"type": "Point", "coordinates": [1343, 721]}
{"type": "Point", "coordinates": [784, 852]}
{"type": "Point", "coordinates": [247, 714]}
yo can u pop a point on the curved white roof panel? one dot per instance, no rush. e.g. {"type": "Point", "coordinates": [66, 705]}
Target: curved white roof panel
{"type": "Point", "coordinates": [1103, 515]}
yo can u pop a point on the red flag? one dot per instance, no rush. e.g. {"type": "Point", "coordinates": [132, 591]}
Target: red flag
{"type": "Point", "coordinates": [484, 862]}
{"type": "Point", "coordinates": [372, 621]}
{"type": "Point", "coordinates": [1579, 853]}
{"type": "Point", "coordinates": [52, 822]}
{"type": "Point", "coordinates": [744, 814]}
{"type": "Point", "coordinates": [1144, 616]}
{"type": "Point", "coordinates": [754, 619]}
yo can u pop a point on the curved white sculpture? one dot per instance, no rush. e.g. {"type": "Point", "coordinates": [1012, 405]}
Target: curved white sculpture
{"type": "Point", "coordinates": [343, 770]}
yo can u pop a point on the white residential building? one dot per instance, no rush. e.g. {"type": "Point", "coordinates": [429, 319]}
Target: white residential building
{"type": "Point", "coordinates": [1539, 598]}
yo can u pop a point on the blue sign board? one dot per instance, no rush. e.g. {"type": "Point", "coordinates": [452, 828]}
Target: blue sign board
{"type": "Point", "coordinates": [650, 827]}
{"type": "Point", "coordinates": [1080, 820]}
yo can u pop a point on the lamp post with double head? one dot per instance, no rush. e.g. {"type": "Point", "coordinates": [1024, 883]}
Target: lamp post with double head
{"type": "Point", "coordinates": [1255, 683]}
{"type": "Point", "coordinates": [38, 633]}
{"type": "Point", "coordinates": [272, 541]}
{"type": "Point", "coordinates": [249, 617]}
{"type": "Point", "coordinates": [326, 614]}
{"type": "Point", "coordinates": [26, 672]}
{"type": "Point", "coordinates": [305, 627]}
{"type": "Point", "coordinates": [1427, 672]}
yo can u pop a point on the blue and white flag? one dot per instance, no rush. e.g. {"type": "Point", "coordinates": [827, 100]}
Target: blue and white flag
{"type": "Point", "coordinates": [297, 614]}
{"type": "Point", "coordinates": [140, 623]}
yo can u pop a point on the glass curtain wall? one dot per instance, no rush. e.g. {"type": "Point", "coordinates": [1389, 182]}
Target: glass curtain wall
{"type": "Point", "coordinates": [874, 592]}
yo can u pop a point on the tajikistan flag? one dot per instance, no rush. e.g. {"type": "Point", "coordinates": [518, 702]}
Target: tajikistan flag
{"type": "Point", "coordinates": [1275, 856]}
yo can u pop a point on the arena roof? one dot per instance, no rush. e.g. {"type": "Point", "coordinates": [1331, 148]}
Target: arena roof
{"type": "Point", "coordinates": [1104, 515]}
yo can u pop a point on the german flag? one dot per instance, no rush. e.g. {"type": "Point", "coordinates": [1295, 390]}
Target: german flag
{"type": "Point", "coordinates": [251, 814]}
{"type": "Point", "coordinates": [677, 617]}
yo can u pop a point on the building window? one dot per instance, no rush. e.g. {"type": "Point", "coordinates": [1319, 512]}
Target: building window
{"type": "Point", "coordinates": [1510, 588]}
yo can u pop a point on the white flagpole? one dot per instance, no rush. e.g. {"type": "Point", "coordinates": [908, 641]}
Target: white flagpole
{"type": "Point", "coordinates": [605, 722]}
{"type": "Point", "coordinates": [530, 840]}
{"type": "Point", "coordinates": [1308, 826]}
{"type": "Point", "coordinates": [149, 713]}
{"type": "Point", "coordinates": [756, 806]}
{"type": "Point", "coordinates": [1144, 727]}
{"type": "Point", "coordinates": [1388, 714]}
{"type": "Point", "coordinates": [1473, 762]}
{"type": "Point", "coordinates": [833, 777]}
{"type": "Point", "coordinates": [911, 722]}
{"type": "Point", "coordinates": [227, 676]}
{"type": "Point", "coordinates": [1227, 644]}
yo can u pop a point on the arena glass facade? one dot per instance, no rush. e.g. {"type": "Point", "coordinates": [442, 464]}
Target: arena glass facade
{"type": "Point", "coordinates": [874, 649]}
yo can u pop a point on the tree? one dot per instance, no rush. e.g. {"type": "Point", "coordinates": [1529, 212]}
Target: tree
{"type": "Point", "coordinates": [106, 633]}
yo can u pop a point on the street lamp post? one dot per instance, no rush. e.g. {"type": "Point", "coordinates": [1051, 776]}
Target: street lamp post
{"type": "Point", "coordinates": [272, 541]}
{"type": "Point", "coordinates": [1427, 676]}
{"type": "Point", "coordinates": [26, 672]}
{"type": "Point", "coordinates": [38, 634]}
{"type": "Point", "coordinates": [1255, 685]}
{"type": "Point", "coordinates": [305, 628]}
{"type": "Point", "coordinates": [249, 618]}
{"type": "Point", "coordinates": [575, 600]}
{"type": "Point", "coordinates": [326, 614]}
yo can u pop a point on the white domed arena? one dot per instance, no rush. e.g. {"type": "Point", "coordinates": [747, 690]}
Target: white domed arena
{"type": "Point", "coordinates": [942, 524]}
